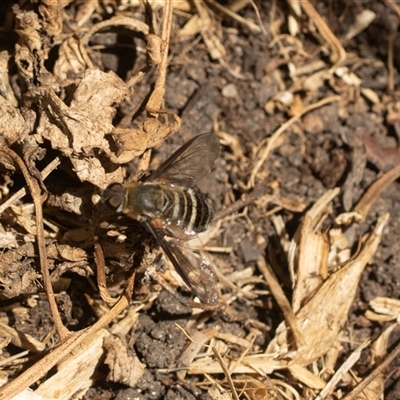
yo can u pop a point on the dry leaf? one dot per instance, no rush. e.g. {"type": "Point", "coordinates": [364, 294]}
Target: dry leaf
{"type": "Point", "coordinates": [124, 366]}
{"type": "Point", "coordinates": [79, 131]}
{"type": "Point", "coordinates": [385, 309]}
{"type": "Point", "coordinates": [70, 63]}
{"type": "Point", "coordinates": [318, 318]}
{"type": "Point", "coordinates": [76, 371]}
{"type": "Point", "coordinates": [13, 126]}
{"type": "Point", "coordinates": [309, 252]}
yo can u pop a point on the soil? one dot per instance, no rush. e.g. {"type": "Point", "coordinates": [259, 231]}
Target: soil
{"type": "Point", "coordinates": [347, 144]}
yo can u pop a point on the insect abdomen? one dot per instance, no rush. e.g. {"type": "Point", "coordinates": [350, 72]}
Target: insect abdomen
{"type": "Point", "coordinates": [191, 210]}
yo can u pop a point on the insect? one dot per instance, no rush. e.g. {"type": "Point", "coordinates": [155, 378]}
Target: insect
{"type": "Point", "coordinates": [174, 212]}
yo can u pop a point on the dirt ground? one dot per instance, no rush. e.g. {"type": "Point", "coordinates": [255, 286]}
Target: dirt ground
{"type": "Point", "coordinates": [304, 98]}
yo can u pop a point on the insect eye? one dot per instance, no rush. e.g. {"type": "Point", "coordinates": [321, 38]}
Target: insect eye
{"type": "Point", "coordinates": [114, 197]}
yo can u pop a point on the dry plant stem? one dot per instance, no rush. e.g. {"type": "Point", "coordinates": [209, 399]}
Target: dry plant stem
{"type": "Point", "coordinates": [257, 11]}
{"type": "Point", "coordinates": [22, 192]}
{"type": "Point", "coordinates": [353, 395]}
{"type": "Point", "coordinates": [237, 205]}
{"type": "Point", "coordinates": [264, 153]}
{"type": "Point", "coordinates": [393, 5]}
{"type": "Point", "coordinates": [227, 374]}
{"type": "Point", "coordinates": [344, 368]}
{"type": "Point", "coordinates": [237, 5]}
{"type": "Point", "coordinates": [17, 358]}
{"type": "Point", "coordinates": [207, 31]}
{"type": "Point", "coordinates": [34, 188]}
{"type": "Point", "coordinates": [375, 190]}
{"type": "Point", "coordinates": [101, 274]}
{"type": "Point", "coordinates": [243, 355]}
{"type": "Point", "coordinates": [339, 54]}
{"type": "Point", "coordinates": [157, 96]}
{"type": "Point", "coordinates": [254, 28]}
{"type": "Point", "coordinates": [126, 22]}
{"type": "Point", "coordinates": [281, 299]}
{"type": "Point", "coordinates": [136, 79]}
{"type": "Point", "coordinates": [38, 370]}
{"type": "Point", "coordinates": [21, 340]}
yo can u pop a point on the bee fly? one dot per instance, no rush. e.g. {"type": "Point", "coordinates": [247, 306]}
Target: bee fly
{"type": "Point", "coordinates": [174, 212]}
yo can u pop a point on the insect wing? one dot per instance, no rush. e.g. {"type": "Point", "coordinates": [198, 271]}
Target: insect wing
{"type": "Point", "coordinates": [190, 162]}
{"type": "Point", "coordinates": [194, 267]}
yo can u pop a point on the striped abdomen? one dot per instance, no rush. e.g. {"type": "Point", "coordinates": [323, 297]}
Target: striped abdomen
{"type": "Point", "coordinates": [168, 205]}
{"type": "Point", "coordinates": [187, 208]}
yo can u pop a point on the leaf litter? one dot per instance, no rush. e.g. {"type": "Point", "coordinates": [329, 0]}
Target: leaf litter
{"type": "Point", "coordinates": [72, 123]}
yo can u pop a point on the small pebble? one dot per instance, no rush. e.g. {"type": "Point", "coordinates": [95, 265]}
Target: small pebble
{"type": "Point", "coordinates": [229, 91]}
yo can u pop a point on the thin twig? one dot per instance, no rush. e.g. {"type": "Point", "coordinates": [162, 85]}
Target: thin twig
{"type": "Point", "coordinates": [375, 190]}
{"type": "Point", "coordinates": [373, 375]}
{"type": "Point", "coordinates": [37, 197]}
{"type": "Point", "coordinates": [157, 95]}
{"type": "Point", "coordinates": [101, 274]}
{"type": "Point", "coordinates": [282, 301]}
{"type": "Point", "coordinates": [227, 374]}
{"type": "Point", "coordinates": [254, 28]}
{"type": "Point", "coordinates": [22, 192]}
{"type": "Point", "coordinates": [263, 155]}
{"type": "Point", "coordinates": [75, 340]}
{"type": "Point", "coordinates": [237, 205]}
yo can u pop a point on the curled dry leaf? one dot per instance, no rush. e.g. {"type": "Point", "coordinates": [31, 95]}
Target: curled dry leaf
{"type": "Point", "coordinates": [31, 51]}
{"type": "Point", "coordinates": [80, 128]}
{"type": "Point", "coordinates": [19, 275]}
{"type": "Point", "coordinates": [71, 62]}
{"type": "Point", "coordinates": [384, 309]}
{"type": "Point", "coordinates": [8, 240]}
{"type": "Point", "coordinates": [309, 251]}
{"type": "Point", "coordinates": [124, 366]}
{"type": "Point", "coordinates": [317, 318]}
{"type": "Point", "coordinates": [151, 133]}
{"type": "Point", "coordinates": [72, 199]}
{"type": "Point", "coordinates": [79, 131]}
{"type": "Point", "coordinates": [52, 16]}
{"type": "Point", "coordinates": [13, 126]}
{"type": "Point", "coordinates": [5, 86]}
{"type": "Point", "coordinates": [67, 253]}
